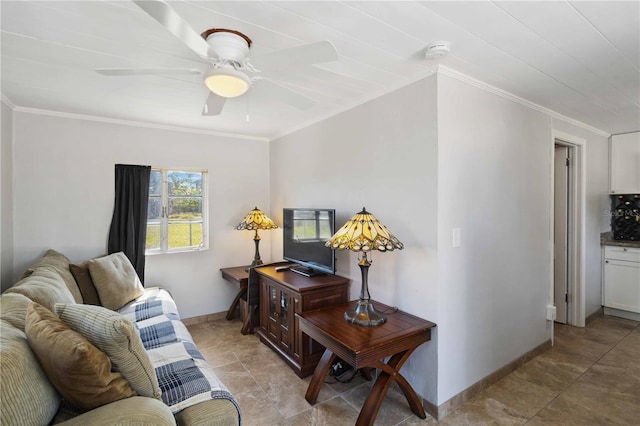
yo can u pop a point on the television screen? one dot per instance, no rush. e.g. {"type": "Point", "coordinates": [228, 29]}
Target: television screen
{"type": "Point", "coordinates": [305, 233]}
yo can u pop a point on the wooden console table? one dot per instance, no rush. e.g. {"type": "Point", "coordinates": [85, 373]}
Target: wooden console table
{"type": "Point", "coordinates": [240, 276]}
{"type": "Point", "coordinates": [366, 347]}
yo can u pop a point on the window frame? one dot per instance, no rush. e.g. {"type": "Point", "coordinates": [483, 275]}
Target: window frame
{"type": "Point", "coordinates": [164, 208]}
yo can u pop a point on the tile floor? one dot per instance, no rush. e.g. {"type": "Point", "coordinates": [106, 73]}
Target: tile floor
{"type": "Point", "coordinates": [590, 377]}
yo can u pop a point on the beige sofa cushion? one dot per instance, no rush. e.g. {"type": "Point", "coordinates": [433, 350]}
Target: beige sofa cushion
{"type": "Point", "coordinates": [134, 411]}
{"type": "Point", "coordinates": [13, 309]}
{"type": "Point", "coordinates": [116, 336]}
{"type": "Point", "coordinates": [78, 370]}
{"type": "Point", "coordinates": [57, 262]}
{"type": "Point", "coordinates": [209, 413]}
{"type": "Point", "coordinates": [43, 286]}
{"type": "Point", "coordinates": [115, 280]}
{"type": "Point", "coordinates": [28, 398]}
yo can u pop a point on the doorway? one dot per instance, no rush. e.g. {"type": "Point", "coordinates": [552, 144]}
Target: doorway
{"type": "Point", "coordinates": [562, 216]}
{"type": "Point", "coordinates": [567, 287]}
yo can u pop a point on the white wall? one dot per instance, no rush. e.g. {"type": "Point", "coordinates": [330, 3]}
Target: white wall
{"type": "Point", "coordinates": [381, 155]}
{"type": "Point", "coordinates": [597, 206]}
{"type": "Point", "coordinates": [6, 197]}
{"type": "Point", "coordinates": [64, 191]}
{"type": "Point", "coordinates": [475, 161]}
{"type": "Point", "coordinates": [493, 184]}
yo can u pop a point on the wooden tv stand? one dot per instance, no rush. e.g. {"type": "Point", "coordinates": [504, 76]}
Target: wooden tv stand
{"type": "Point", "coordinates": [284, 294]}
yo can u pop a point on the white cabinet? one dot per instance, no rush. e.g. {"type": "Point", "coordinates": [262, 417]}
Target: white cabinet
{"type": "Point", "coordinates": [624, 165]}
{"type": "Point", "coordinates": [622, 278]}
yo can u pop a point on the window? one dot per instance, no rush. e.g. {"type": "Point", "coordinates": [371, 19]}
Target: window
{"type": "Point", "coordinates": [177, 216]}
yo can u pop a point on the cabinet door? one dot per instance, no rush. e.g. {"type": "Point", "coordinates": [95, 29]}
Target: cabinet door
{"type": "Point", "coordinates": [284, 320]}
{"type": "Point", "coordinates": [624, 167]}
{"type": "Point", "coordinates": [277, 314]}
{"type": "Point", "coordinates": [622, 285]}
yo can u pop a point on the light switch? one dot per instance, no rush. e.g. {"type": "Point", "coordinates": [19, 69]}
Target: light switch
{"type": "Point", "coordinates": [551, 312]}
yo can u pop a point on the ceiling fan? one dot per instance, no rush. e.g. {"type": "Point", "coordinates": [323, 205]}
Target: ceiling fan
{"type": "Point", "coordinates": [232, 73]}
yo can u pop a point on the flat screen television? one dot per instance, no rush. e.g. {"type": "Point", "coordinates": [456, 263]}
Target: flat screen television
{"type": "Point", "coordinates": [305, 233]}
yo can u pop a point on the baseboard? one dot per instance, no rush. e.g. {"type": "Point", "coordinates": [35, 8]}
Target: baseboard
{"type": "Point", "coordinates": [441, 411]}
{"type": "Point", "coordinates": [430, 408]}
{"type": "Point", "coordinates": [622, 314]}
{"type": "Point", "coordinates": [596, 314]}
{"type": "Point", "coordinates": [204, 318]}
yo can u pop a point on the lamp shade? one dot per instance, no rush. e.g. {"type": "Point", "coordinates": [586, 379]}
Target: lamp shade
{"type": "Point", "coordinates": [364, 232]}
{"type": "Point", "coordinates": [254, 220]}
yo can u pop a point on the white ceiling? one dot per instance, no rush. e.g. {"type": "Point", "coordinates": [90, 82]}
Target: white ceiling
{"type": "Point", "coordinates": [579, 59]}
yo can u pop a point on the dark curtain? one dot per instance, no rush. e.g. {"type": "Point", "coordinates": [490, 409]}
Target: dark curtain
{"type": "Point", "coordinates": [128, 230]}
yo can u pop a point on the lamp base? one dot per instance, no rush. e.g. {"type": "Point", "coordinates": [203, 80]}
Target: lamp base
{"type": "Point", "coordinates": [365, 314]}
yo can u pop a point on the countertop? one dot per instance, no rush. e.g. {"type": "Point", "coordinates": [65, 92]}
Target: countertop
{"type": "Point", "coordinates": [606, 239]}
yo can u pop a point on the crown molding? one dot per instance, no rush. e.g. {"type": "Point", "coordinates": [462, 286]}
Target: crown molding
{"type": "Point", "coordinates": [511, 97]}
{"type": "Point", "coordinates": [440, 69]}
{"type": "Point", "coordinates": [8, 102]}
{"type": "Point", "coordinates": [133, 123]}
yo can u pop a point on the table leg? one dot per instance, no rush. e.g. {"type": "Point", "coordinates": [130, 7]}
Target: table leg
{"type": "Point", "coordinates": [365, 372]}
{"type": "Point", "coordinates": [247, 325]}
{"type": "Point", "coordinates": [319, 375]}
{"type": "Point", "coordinates": [389, 373]}
{"type": "Point", "coordinates": [234, 304]}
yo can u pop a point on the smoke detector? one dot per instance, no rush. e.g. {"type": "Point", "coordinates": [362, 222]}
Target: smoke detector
{"type": "Point", "coordinates": [437, 50]}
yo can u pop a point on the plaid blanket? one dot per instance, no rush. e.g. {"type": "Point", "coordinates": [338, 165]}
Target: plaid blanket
{"type": "Point", "coordinates": [184, 376]}
{"type": "Point", "coordinates": [154, 302]}
{"type": "Point", "coordinates": [161, 330]}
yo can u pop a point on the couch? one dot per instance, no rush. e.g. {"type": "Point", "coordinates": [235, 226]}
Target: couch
{"type": "Point", "coordinates": [68, 357]}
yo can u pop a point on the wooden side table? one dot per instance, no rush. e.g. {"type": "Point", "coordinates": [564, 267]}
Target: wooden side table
{"type": "Point", "coordinates": [366, 347]}
{"type": "Point", "coordinates": [240, 276]}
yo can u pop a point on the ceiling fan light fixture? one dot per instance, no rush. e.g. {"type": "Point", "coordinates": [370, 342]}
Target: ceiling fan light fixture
{"type": "Point", "coordinates": [227, 82]}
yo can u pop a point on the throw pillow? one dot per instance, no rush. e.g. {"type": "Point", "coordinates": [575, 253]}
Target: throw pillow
{"type": "Point", "coordinates": [59, 263]}
{"type": "Point", "coordinates": [83, 278]}
{"type": "Point", "coordinates": [116, 336]}
{"type": "Point", "coordinates": [44, 286]}
{"type": "Point", "coordinates": [77, 369]}
{"type": "Point", "coordinates": [115, 280]}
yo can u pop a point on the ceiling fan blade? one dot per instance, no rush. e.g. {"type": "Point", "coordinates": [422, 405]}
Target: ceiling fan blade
{"type": "Point", "coordinates": [308, 54]}
{"type": "Point", "coordinates": [274, 90]}
{"type": "Point", "coordinates": [146, 71]}
{"type": "Point", "coordinates": [169, 18]}
{"type": "Point", "coordinates": [213, 105]}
